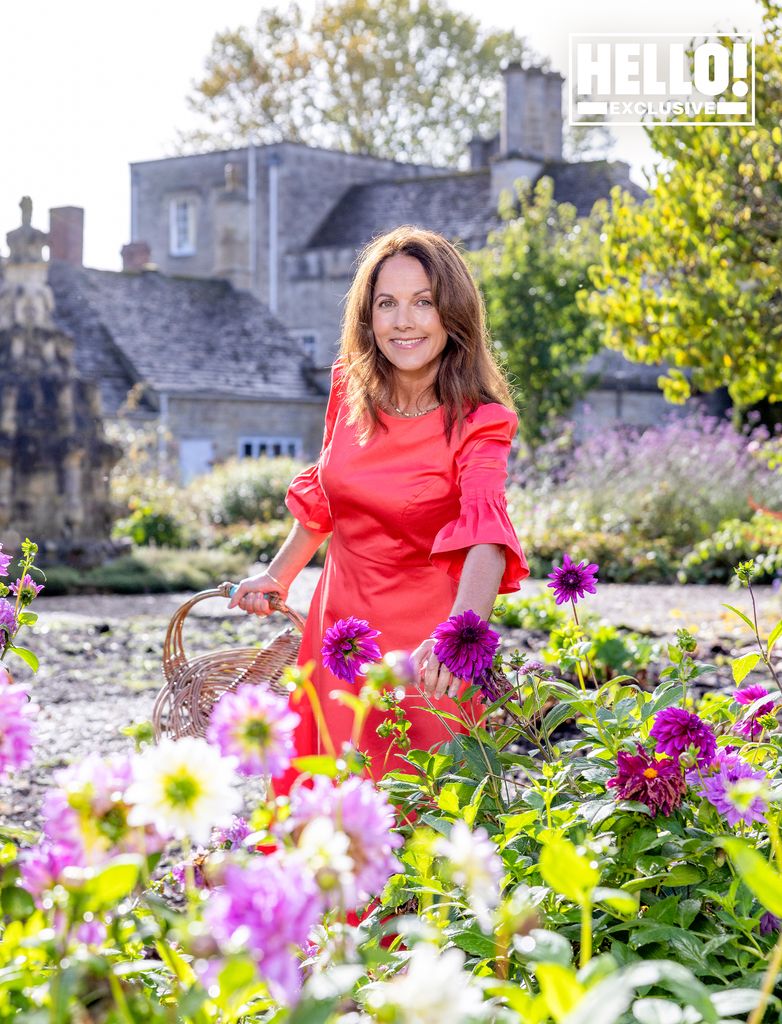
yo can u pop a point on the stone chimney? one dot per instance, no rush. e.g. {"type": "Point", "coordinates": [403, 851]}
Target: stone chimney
{"type": "Point", "coordinates": [531, 126]}
{"type": "Point", "coordinates": [66, 234]}
{"type": "Point", "coordinates": [135, 257]}
{"type": "Point", "coordinates": [232, 211]}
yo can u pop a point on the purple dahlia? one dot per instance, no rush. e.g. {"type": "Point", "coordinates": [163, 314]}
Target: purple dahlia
{"type": "Point", "coordinates": [465, 645]}
{"type": "Point", "coordinates": [570, 581]}
{"type": "Point", "coordinates": [675, 730]}
{"type": "Point", "coordinates": [347, 645]}
{"type": "Point", "coordinates": [751, 726]}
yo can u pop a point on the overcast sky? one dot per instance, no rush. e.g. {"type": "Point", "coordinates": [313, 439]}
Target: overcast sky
{"type": "Point", "coordinates": [87, 87]}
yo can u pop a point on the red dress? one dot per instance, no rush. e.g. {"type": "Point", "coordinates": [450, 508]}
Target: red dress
{"type": "Point", "coordinates": [403, 510]}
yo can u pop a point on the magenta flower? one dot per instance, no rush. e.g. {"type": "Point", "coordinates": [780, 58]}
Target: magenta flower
{"type": "Point", "coordinates": [736, 791]}
{"type": "Point", "coordinates": [256, 727]}
{"type": "Point", "coordinates": [8, 622]}
{"type": "Point", "coordinates": [533, 668]}
{"type": "Point", "coordinates": [656, 782]}
{"type": "Point", "coordinates": [29, 588]}
{"type": "Point", "coordinates": [570, 581]}
{"type": "Point", "coordinates": [347, 645]}
{"type": "Point", "coordinates": [364, 814]}
{"type": "Point", "coordinates": [465, 645]}
{"type": "Point", "coordinates": [269, 906]}
{"type": "Point", "coordinates": [751, 726]}
{"type": "Point", "coordinates": [493, 684]}
{"type": "Point", "coordinates": [5, 561]}
{"type": "Point", "coordinates": [16, 728]}
{"type": "Point", "coordinates": [675, 730]}
{"type": "Point", "coordinates": [42, 866]}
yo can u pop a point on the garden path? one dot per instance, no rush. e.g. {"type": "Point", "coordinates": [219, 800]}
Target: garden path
{"type": "Point", "coordinates": [100, 657]}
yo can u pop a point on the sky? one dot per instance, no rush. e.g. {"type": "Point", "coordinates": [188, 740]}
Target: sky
{"type": "Point", "coordinates": [88, 87]}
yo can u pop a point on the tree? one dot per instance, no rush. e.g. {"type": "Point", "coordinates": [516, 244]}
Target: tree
{"type": "Point", "coordinates": [529, 273]}
{"type": "Point", "coordinates": [693, 275]}
{"type": "Point", "coordinates": [410, 80]}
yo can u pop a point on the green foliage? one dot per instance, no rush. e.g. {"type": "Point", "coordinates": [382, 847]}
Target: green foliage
{"type": "Point", "coordinates": [403, 80]}
{"type": "Point", "coordinates": [149, 526]}
{"type": "Point", "coordinates": [150, 571]}
{"type": "Point", "coordinates": [760, 539]}
{"type": "Point", "coordinates": [530, 273]}
{"type": "Point", "coordinates": [693, 275]}
{"type": "Point", "coordinates": [259, 541]}
{"type": "Point", "coordinates": [243, 491]}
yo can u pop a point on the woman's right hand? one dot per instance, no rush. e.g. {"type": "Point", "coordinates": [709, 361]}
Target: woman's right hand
{"type": "Point", "coordinates": [249, 595]}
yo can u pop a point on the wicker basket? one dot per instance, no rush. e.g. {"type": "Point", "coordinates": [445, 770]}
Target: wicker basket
{"type": "Point", "coordinates": [193, 687]}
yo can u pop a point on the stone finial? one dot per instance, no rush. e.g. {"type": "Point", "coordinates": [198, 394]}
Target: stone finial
{"type": "Point", "coordinates": [26, 243]}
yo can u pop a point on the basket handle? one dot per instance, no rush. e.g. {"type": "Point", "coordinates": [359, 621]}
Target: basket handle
{"type": "Point", "coordinates": [173, 647]}
{"type": "Point", "coordinates": [276, 603]}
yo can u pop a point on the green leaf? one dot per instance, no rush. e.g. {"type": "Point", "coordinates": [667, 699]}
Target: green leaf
{"type": "Point", "coordinates": [620, 900]}
{"type": "Point", "coordinates": [657, 1011]}
{"type": "Point", "coordinates": [741, 667]}
{"type": "Point", "coordinates": [542, 946]}
{"type": "Point", "coordinates": [774, 635]}
{"type": "Point", "coordinates": [448, 800]}
{"type": "Point", "coordinates": [741, 615]}
{"type": "Point", "coordinates": [611, 997]}
{"type": "Point", "coordinates": [763, 881]}
{"type": "Point", "coordinates": [317, 764]}
{"type": "Point", "coordinates": [27, 656]}
{"type": "Point", "coordinates": [475, 943]}
{"type": "Point", "coordinates": [560, 988]}
{"type": "Point", "coordinates": [568, 872]}
{"type": "Point", "coordinates": [27, 618]}
{"type": "Point", "coordinates": [106, 886]}
{"type": "Point", "coordinates": [683, 874]}
{"type": "Point", "coordinates": [17, 903]}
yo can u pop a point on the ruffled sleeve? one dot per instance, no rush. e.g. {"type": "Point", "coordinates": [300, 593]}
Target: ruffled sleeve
{"type": "Point", "coordinates": [482, 468]}
{"type": "Point", "coordinates": [306, 499]}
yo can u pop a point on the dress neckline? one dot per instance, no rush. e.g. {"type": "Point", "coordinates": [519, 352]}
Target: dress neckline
{"type": "Point", "coordinates": [408, 419]}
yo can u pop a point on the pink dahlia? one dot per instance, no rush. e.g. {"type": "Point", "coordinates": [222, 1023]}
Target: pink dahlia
{"type": "Point", "coordinates": [656, 782]}
{"type": "Point", "coordinates": [16, 728]}
{"type": "Point", "coordinates": [269, 906]}
{"type": "Point", "coordinates": [364, 815]}
{"type": "Point", "coordinates": [5, 561]}
{"type": "Point", "coordinates": [8, 622]}
{"type": "Point", "coordinates": [256, 727]}
{"type": "Point", "coordinates": [570, 581]}
{"type": "Point", "coordinates": [465, 645]}
{"type": "Point", "coordinates": [41, 867]}
{"type": "Point", "coordinates": [29, 589]}
{"type": "Point", "coordinates": [87, 811]}
{"type": "Point", "coordinates": [675, 730]}
{"type": "Point", "coordinates": [750, 726]}
{"type": "Point", "coordinates": [347, 645]}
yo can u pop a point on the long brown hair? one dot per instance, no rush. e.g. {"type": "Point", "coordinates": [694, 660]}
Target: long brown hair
{"type": "Point", "coordinates": [468, 375]}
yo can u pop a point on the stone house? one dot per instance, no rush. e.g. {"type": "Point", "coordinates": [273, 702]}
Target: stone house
{"type": "Point", "coordinates": [228, 307]}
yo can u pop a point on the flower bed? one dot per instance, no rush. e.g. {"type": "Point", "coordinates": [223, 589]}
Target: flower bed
{"type": "Point", "coordinates": [589, 851]}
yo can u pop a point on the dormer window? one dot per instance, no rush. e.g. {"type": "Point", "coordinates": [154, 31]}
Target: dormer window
{"type": "Point", "coordinates": [182, 226]}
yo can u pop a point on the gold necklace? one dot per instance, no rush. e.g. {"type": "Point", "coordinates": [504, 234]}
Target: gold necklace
{"type": "Point", "coordinates": [412, 415]}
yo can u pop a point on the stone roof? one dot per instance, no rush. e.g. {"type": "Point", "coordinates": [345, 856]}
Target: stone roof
{"type": "Point", "coordinates": [457, 204]}
{"type": "Point", "coordinates": [178, 335]}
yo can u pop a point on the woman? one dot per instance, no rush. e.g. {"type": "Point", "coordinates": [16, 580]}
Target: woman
{"type": "Point", "coordinates": [410, 481]}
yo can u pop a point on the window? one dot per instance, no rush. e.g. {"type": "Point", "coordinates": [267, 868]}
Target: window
{"type": "Point", "coordinates": [271, 447]}
{"type": "Point", "coordinates": [309, 343]}
{"type": "Point", "coordinates": [182, 227]}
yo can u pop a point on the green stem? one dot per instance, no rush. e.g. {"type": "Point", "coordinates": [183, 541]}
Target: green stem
{"type": "Point", "coordinates": [586, 933]}
{"type": "Point", "coordinates": [769, 980]}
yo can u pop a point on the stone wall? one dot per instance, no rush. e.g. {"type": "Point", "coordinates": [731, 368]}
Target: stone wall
{"type": "Point", "coordinates": [224, 421]}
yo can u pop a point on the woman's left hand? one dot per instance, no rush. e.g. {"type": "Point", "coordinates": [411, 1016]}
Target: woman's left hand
{"type": "Point", "coordinates": [434, 677]}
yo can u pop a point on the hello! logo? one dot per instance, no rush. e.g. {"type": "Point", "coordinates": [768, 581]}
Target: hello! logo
{"type": "Point", "coordinates": [657, 79]}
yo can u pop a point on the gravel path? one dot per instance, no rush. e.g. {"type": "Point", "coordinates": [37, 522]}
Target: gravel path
{"type": "Point", "coordinates": [101, 656]}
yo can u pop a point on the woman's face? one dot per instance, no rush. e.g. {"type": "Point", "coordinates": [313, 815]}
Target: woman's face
{"type": "Point", "coordinates": [406, 325]}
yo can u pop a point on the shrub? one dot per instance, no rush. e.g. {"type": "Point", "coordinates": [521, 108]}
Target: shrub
{"type": "Point", "coordinates": [243, 491]}
{"type": "Point", "coordinates": [260, 541]}
{"type": "Point", "coordinates": [760, 539]}
{"type": "Point", "coordinates": [637, 502]}
{"type": "Point", "coordinates": [150, 571]}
